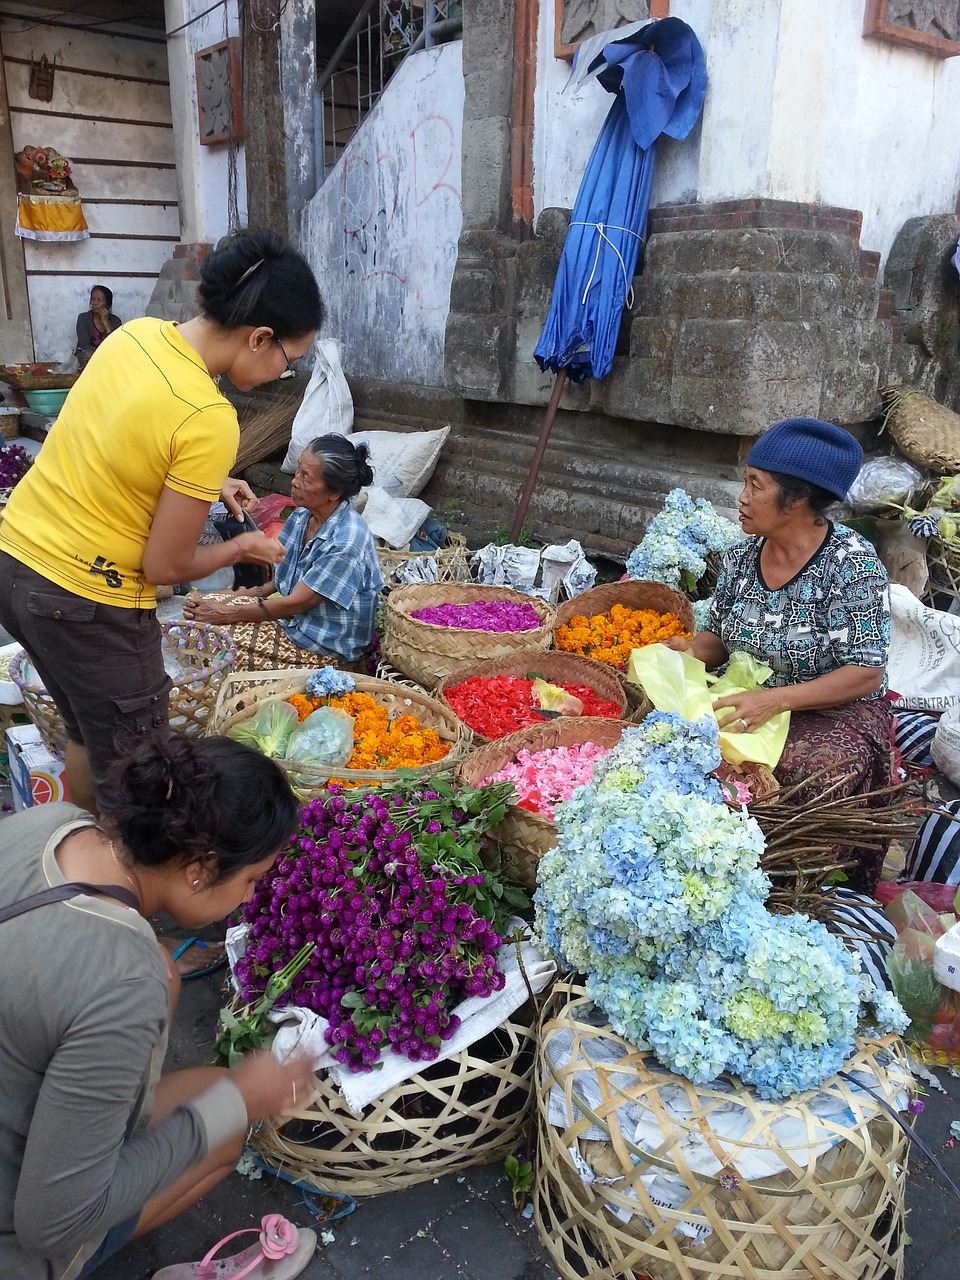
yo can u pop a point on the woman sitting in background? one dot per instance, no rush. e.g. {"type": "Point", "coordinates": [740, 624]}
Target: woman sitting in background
{"type": "Point", "coordinates": [94, 325]}
{"type": "Point", "coordinates": [96, 1146]}
{"type": "Point", "coordinates": [329, 579]}
{"type": "Point", "coordinates": [810, 599]}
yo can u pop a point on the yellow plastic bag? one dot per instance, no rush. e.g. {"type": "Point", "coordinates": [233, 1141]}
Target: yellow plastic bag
{"type": "Point", "coordinates": [678, 682]}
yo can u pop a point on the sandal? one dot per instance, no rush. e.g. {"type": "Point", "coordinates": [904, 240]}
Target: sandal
{"type": "Point", "coordinates": [197, 973]}
{"type": "Point", "coordinates": [281, 1253]}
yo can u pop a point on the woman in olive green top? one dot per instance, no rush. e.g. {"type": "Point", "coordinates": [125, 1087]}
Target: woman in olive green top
{"type": "Point", "coordinates": [96, 1146]}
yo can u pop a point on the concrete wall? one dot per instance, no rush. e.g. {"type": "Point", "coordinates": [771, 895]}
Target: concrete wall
{"type": "Point", "coordinates": [204, 178]}
{"type": "Point", "coordinates": [381, 234]}
{"type": "Point", "coordinates": [110, 115]}
{"type": "Point", "coordinates": [799, 107]}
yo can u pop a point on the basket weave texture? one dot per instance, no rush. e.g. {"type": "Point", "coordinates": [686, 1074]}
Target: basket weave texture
{"type": "Point", "coordinates": [524, 837]}
{"type": "Point", "coordinates": [452, 561]}
{"type": "Point", "coordinates": [830, 1215]}
{"type": "Point", "coordinates": [243, 691]}
{"type": "Point", "coordinates": [205, 653]}
{"type": "Point", "coordinates": [467, 1110]}
{"type": "Point", "coordinates": [926, 432]}
{"type": "Point", "coordinates": [427, 653]}
{"type": "Point", "coordinates": [9, 429]}
{"type": "Point", "coordinates": [554, 666]}
{"type": "Point", "coordinates": [634, 594]}
{"type": "Point", "coordinates": [41, 381]}
{"type": "Point", "coordinates": [943, 565]}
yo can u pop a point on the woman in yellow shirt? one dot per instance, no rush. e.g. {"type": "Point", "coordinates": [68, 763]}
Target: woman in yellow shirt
{"type": "Point", "coordinates": [117, 498]}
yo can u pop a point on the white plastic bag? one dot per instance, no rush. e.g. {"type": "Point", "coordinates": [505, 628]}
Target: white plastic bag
{"type": "Point", "coordinates": [882, 483]}
{"type": "Point", "coordinates": [945, 747]}
{"type": "Point", "coordinates": [924, 664]}
{"type": "Point", "coordinates": [327, 407]}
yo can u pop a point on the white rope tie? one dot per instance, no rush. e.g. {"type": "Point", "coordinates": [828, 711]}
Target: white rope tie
{"type": "Point", "coordinates": [601, 229]}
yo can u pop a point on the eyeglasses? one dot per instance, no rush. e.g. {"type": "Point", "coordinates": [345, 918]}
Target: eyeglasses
{"type": "Point", "coordinates": [289, 372]}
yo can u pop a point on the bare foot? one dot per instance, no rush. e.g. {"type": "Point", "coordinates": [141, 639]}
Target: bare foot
{"type": "Point", "coordinates": [197, 957]}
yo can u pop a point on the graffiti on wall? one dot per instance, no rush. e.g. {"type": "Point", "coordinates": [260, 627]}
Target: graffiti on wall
{"type": "Point", "coordinates": [396, 208]}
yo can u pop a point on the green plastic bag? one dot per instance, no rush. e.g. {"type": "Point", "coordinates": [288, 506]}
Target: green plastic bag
{"type": "Point", "coordinates": [675, 681]}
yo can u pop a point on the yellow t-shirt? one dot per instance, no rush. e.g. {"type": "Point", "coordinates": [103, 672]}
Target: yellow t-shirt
{"type": "Point", "coordinates": [144, 414]}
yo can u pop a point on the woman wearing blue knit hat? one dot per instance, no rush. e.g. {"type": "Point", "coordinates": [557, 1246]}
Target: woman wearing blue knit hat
{"type": "Point", "coordinates": [811, 599]}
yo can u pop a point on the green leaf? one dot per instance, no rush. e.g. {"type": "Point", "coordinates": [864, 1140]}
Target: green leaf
{"type": "Point", "coordinates": [352, 1000]}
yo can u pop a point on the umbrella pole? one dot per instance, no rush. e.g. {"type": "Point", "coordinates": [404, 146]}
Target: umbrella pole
{"type": "Point", "coordinates": [531, 481]}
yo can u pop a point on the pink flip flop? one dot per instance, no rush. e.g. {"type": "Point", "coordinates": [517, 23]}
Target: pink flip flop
{"type": "Point", "coordinates": [281, 1253]}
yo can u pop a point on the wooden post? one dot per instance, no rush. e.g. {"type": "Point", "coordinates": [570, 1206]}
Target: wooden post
{"type": "Point", "coordinates": [263, 133]}
{"type": "Point", "coordinates": [16, 334]}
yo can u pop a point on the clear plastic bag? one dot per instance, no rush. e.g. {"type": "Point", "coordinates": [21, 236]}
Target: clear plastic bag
{"type": "Point", "coordinates": [883, 484]}
{"type": "Point", "coordinates": [324, 738]}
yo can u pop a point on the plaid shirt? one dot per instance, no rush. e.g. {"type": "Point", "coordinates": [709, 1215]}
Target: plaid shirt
{"type": "Point", "coordinates": [340, 564]}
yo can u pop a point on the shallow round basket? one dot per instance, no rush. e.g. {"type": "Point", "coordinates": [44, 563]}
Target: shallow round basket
{"type": "Point", "coordinates": [555, 667]}
{"type": "Point", "coordinates": [470, 1109]}
{"type": "Point", "coordinates": [834, 1212]}
{"type": "Point", "coordinates": [452, 561]}
{"type": "Point", "coordinates": [243, 691]}
{"type": "Point", "coordinates": [45, 381]}
{"type": "Point", "coordinates": [924, 431]}
{"type": "Point", "coordinates": [633, 594]}
{"type": "Point", "coordinates": [202, 655]}
{"type": "Point", "coordinates": [524, 837]}
{"type": "Point", "coordinates": [427, 653]}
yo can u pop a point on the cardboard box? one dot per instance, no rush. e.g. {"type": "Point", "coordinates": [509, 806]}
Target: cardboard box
{"type": "Point", "coordinates": [36, 772]}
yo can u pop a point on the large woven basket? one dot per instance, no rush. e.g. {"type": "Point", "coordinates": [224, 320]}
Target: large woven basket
{"type": "Point", "coordinates": [452, 561]}
{"type": "Point", "coordinates": [556, 667]}
{"type": "Point", "coordinates": [427, 653]}
{"type": "Point", "coordinates": [632, 594]}
{"type": "Point", "coordinates": [469, 1109]}
{"type": "Point", "coordinates": [524, 837]}
{"type": "Point", "coordinates": [925, 432]}
{"type": "Point", "coordinates": [834, 1214]}
{"type": "Point", "coordinates": [244, 691]}
{"type": "Point", "coordinates": [48, 381]}
{"type": "Point", "coordinates": [204, 655]}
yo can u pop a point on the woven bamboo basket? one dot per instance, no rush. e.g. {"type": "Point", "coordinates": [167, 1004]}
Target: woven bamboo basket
{"type": "Point", "coordinates": [943, 574]}
{"type": "Point", "coordinates": [834, 1214]}
{"type": "Point", "coordinates": [427, 653]}
{"type": "Point", "coordinates": [452, 561]}
{"type": "Point", "coordinates": [9, 429]}
{"type": "Point", "coordinates": [925, 432]}
{"type": "Point", "coordinates": [243, 691]}
{"type": "Point", "coordinates": [37, 381]}
{"type": "Point", "coordinates": [204, 654]}
{"type": "Point", "coordinates": [555, 667]}
{"type": "Point", "coordinates": [632, 594]}
{"type": "Point", "coordinates": [524, 837]}
{"type": "Point", "coordinates": [760, 780]}
{"type": "Point", "coordinates": [469, 1109]}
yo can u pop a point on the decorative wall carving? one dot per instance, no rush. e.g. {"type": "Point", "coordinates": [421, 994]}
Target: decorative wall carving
{"type": "Point", "coordinates": [219, 92]}
{"type": "Point", "coordinates": [932, 26]}
{"type": "Point", "coordinates": [579, 19]}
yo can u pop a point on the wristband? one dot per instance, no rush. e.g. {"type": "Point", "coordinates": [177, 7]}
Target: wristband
{"type": "Point", "coordinates": [263, 605]}
{"type": "Point", "coordinates": [237, 553]}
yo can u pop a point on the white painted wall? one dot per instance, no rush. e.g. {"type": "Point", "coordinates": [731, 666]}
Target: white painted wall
{"type": "Point", "coordinates": [203, 172]}
{"type": "Point", "coordinates": [381, 234]}
{"type": "Point", "coordinates": [799, 107]}
{"type": "Point", "coordinates": [109, 77]}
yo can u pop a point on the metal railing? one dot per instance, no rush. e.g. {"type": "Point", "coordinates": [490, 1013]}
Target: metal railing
{"type": "Point", "coordinates": [381, 36]}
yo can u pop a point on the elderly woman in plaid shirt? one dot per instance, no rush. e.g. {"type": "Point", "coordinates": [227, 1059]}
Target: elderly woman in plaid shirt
{"type": "Point", "coordinates": [324, 592]}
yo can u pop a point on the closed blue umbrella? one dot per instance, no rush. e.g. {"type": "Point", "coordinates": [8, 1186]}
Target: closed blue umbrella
{"type": "Point", "coordinates": [659, 79]}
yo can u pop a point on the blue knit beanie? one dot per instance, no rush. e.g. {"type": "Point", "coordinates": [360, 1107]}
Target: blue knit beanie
{"type": "Point", "coordinates": [809, 449]}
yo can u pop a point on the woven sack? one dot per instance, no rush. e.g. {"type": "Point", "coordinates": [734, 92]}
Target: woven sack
{"type": "Point", "coordinates": [555, 667]}
{"type": "Point", "coordinates": [204, 653]}
{"type": "Point", "coordinates": [452, 561]}
{"type": "Point", "coordinates": [830, 1215]}
{"type": "Point", "coordinates": [925, 432]}
{"type": "Point", "coordinates": [524, 837]}
{"type": "Point", "coordinates": [427, 653]}
{"type": "Point", "coordinates": [470, 1109]}
{"type": "Point", "coordinates": [244, 691]}
{"type": "Point", "coordinates": [632, 594]}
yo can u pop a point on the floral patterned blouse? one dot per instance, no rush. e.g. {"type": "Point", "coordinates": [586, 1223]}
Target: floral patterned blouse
{"type": "Point", "coordinates": [834, 613]}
